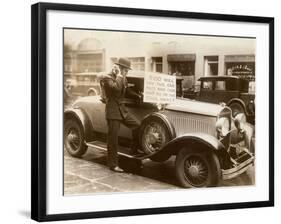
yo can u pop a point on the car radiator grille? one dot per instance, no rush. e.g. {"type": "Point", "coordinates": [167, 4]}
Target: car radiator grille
{"type": "Point", "coordinates": [187, 123]}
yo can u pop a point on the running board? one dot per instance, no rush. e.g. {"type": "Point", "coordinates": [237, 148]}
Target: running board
{"type": "Point", "coordinates": [122, 151]}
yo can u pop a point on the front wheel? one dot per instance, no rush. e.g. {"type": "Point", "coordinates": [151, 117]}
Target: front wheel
{"type": "Point", "coordinates": [197, 168]}
{"type": "Point", "coordinates": [74, 138]}
{"type": "Point", "coordinates": [154, 135]}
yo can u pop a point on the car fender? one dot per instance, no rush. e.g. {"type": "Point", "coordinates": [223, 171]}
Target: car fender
{"type": "Point", "coordinates": [80, 116]}
{"type": "Point", "coordinates": [164, 119]}
{"type": "Point", "coordinates": [249, 136]}
{"type": "Point", "coordinates": [237, 100]}
{"type": "Point", "coordinates": [92, 89]}
{"type": "Point", "coordinates": [194, 140]}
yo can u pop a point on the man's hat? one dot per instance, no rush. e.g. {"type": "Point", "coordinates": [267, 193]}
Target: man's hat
{"type": "Point", "coordinates": [124, 63]}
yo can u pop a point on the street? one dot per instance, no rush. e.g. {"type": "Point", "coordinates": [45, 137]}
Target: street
{"type": "Point", "coordinates": [91, 175]}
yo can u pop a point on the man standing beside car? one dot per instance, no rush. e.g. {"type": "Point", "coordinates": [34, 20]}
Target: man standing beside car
{"type": "Point", "coordinates": [115, 87]}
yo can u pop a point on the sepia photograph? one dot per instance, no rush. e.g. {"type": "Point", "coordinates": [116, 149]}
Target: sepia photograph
{"type": "Point", "coordinates": [148, 111]}
{"type": "Point", "coordinates": [142, 111]}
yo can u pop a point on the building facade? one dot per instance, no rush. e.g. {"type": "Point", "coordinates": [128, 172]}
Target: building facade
{"type": "Point", "coordinates": [188, 57]}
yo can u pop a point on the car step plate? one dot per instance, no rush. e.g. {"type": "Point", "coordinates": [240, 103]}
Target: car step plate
{"type": "Point", "coordinates": [122, 151]}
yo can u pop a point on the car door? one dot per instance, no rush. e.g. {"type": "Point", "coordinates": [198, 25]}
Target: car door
{"type": "Point", "coordinates": [139, 110]}
{"type": "Point", "coordinates": [225, 90]}
{"type": "Point", "coordinates": [206, 93]}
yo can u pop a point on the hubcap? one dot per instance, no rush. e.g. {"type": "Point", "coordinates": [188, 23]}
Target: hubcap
{"type": "Point", "coordinates": [73, 139]}
{"type": "Point", "coordinates": [154, 137]}
{"type": "Point", "coordinates": [196, 171]}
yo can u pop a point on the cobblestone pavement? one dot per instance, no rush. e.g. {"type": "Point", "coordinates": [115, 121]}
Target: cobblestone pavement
{"type": "Point", "coordinates": [90, 175]}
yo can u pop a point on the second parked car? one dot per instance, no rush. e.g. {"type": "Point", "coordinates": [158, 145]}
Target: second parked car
{"type": "Point", "coordinates": [235, 92]}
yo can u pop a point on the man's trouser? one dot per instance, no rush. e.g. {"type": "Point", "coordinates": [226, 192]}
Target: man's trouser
{"type": "Point", "coordinates": [113, 130]}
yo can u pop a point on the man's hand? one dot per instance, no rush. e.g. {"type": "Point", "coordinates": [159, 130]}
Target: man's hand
{"type": "Point", "coordinates": [119, 76]}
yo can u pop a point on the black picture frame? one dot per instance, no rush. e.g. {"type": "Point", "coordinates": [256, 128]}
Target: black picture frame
{"type": "Point", "coordinates": [39, 108]}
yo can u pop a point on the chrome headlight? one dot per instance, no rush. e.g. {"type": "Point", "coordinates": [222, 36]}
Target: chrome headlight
{"type": "Point", "coordinates": [222, 126]}
{"type": "Point", "coordinates": [251, 106]}
{"type": "Point", "coordinates": [239, 121]}
{"type": "Point", "coordinates": [159, 106]}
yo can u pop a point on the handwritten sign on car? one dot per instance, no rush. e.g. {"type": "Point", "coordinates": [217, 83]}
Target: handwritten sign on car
{"type": "Point", "coordinates": [159, 88]}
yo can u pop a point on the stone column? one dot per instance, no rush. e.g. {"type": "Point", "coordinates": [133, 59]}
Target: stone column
{"type": "Point", "coordinates": [221, 65]}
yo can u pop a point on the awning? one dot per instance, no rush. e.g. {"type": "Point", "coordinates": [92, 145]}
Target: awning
{"type": "Point", "coordinates": [181, 57]}
{"type": "Point", "coordinates": [239, 58]}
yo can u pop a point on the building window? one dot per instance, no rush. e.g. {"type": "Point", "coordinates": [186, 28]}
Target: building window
{"type": "Point", "coordinates": [157, 64]}
{"type": "Point", "coordinates": [182, 68]}
{"type": "Point", "coordinates": [240, 65]}
{"type": "Point", "coordinates": [67, 68]}
{"type": "Point", "coordinates": [207, 85]}
{"type": "Point", "coordinates": [220, 85]}
{"type": "Point", "coordinates": [244, 70]}
{"type": "Point", "coordinates": [89, 62]}
{"type": "Point", "coordinates": [181, 64]}
{"type": "Point", "coordinates": [211, 65]}
{"type": "Point", "coordinates": [138, 63]}
{"type": "Point", "coordinates": [67, 63]}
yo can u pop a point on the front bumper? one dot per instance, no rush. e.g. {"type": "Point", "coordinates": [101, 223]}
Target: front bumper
{"type": "Point", "coordinates": [240, 165]}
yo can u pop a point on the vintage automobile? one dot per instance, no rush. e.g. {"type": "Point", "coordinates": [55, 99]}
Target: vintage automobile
{"type": "Point", "coordinates": [83, 84]}
{"type": "Point", "coordinates": [232, 90]}
{"type": "Point", "coordinates": [209, 144]}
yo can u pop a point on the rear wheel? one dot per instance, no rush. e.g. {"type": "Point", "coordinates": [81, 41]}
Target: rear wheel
{"type": "Point", "coordinates": [197, 168]}
{"type": "Point", "coordinates": [74, 138]}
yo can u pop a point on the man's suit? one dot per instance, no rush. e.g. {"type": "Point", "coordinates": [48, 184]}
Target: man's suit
{"type": "Point", "coordinates": [116, 113]}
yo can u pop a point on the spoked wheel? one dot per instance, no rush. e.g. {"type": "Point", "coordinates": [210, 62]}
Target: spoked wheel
{"type": "Point", "coordinates": [74, 138]}
{"type": "Point", "coordinates": [197, 168]}
{"type": "Point", "coordinates": [154, 136]}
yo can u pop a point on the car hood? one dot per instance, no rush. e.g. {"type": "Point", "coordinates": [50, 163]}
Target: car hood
{"type": "Point", "coordinates": [183, 105]}
{"type": "Point", "coordinates": [196, 107]}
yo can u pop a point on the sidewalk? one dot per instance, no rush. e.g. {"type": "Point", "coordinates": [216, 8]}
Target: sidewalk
{"type": "Point", "coordinates": [90, 175]}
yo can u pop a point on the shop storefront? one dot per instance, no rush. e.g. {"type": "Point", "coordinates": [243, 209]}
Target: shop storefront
{"type": "Point", "coordinates": [240, 65]}
{"type": "Point", "coordinates": [182, 65]}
